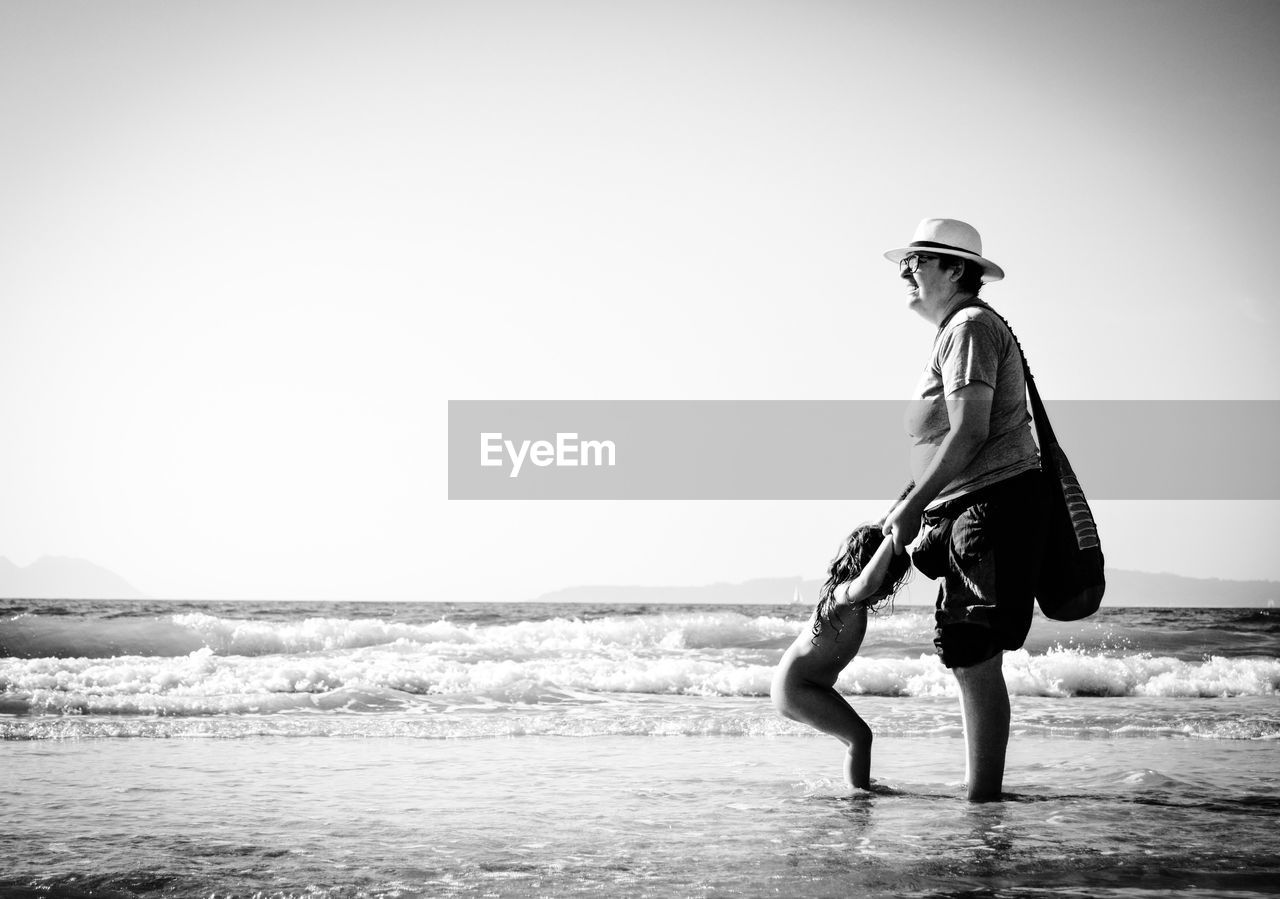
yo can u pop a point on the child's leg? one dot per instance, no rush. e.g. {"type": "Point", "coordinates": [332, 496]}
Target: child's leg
{"type": "Point", "coordinates": [824, 709]}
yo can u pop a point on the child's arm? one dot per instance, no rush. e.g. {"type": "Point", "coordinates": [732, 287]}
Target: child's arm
{"type": "Point", "coordinates": [871, 578]}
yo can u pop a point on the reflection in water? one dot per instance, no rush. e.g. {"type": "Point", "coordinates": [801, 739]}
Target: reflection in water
{"type": "Point", "coordinates": [990, 841]}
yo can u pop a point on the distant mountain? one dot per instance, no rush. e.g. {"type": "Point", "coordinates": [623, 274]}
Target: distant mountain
{"type": "Point", "coordinates": [1124, 588]}
{"type": "Point", "coordinates": [1141, 588]}
{"type": "Point", "coordinates": [61, 577]}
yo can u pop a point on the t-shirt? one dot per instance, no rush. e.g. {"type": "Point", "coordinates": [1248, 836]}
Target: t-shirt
{"type": "Point", "coordinates": [975, 346]}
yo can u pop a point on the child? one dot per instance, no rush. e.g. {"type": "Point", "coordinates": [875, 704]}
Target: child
{"type": "Point", "coordinates": [865, 574]}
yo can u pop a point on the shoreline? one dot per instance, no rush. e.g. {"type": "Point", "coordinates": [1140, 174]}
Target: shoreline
{"type": "Point", "coordinates": [627, 816]}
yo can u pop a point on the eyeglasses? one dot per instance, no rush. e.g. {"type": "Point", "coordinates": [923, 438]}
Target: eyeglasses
{"type": "Point", "coordinates": [909, 265]}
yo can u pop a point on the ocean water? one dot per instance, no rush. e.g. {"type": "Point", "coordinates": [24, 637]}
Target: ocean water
{"type": "Point", "coordinates": [441, 749]}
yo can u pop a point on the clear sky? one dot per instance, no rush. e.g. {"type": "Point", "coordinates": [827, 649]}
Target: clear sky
{"type": "Point", "coordinates": [248, 252]}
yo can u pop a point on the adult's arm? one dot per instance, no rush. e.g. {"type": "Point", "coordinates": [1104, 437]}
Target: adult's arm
{"type": "Point", "coordinates": [969, 416]}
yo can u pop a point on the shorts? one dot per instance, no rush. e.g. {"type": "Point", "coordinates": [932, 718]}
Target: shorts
{"type": "Point", "coordinates": [987, 547]}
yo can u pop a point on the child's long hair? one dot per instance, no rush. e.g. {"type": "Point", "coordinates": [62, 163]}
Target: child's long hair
{"type": "Point", "coordinates": [855, 553]}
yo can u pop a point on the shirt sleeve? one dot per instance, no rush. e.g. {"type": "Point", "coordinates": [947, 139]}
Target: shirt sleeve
{"type": "Point", "coordinates": [970, 353]}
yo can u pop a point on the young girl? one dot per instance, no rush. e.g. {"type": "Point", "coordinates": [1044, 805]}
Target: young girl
{"type": "Point", "coordinates": [865, 574]}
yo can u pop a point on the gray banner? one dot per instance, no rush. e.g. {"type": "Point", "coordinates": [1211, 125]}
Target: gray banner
{"type": "Point", "coordinates": [806, 450]}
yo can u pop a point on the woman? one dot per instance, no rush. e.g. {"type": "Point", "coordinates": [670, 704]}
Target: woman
{"type": "Point", "coordinates": [978, 488]}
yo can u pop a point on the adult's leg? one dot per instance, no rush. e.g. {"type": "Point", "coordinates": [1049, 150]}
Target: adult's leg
{"type": "Point", "coordinates": [984, 706]}
{"type": "Point", "coordinates": [1019, 524]}
{"type": "Point", "coordinates": [985, 606]}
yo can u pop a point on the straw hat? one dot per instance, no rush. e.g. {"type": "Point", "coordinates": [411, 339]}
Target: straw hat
{"type": "Point", "coordinates": [952, 237]}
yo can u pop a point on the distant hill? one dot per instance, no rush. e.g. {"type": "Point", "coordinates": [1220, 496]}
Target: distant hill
{"type": "Point", "coordinates": [1141, 588]}
{"type": "Point", "coordinates": [61, 577]}
{"type": "Point", "coordinates": [1124, 588]}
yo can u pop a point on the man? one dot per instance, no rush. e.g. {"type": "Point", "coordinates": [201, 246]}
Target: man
{"type": "Point", "coordinates": [978, 488]}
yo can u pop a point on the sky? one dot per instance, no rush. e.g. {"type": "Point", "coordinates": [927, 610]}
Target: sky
{"type": "Point", "coordinates": [249, 252]}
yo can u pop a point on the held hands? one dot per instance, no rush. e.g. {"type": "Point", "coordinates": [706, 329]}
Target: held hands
{"type": "Point", "coordinates": [902, 524]}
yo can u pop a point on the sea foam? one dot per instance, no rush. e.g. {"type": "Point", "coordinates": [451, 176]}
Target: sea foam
{"type": "Point", "coordinates": [350, 665]}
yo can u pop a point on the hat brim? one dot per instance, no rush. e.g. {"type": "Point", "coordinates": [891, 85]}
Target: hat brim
{"type": "Point", "coordinates": [990, 271]}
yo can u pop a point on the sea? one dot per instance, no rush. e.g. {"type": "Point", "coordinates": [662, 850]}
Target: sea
{"type": "Point", "coordinates": [365, 749]}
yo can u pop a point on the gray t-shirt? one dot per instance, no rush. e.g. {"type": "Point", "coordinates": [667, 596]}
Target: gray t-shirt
{"type": "Point", "coordinates": [975, 346]}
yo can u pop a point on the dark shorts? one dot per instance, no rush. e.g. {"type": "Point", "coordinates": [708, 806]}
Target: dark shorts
{"type": "Point", "coordinates": [986, 547]}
